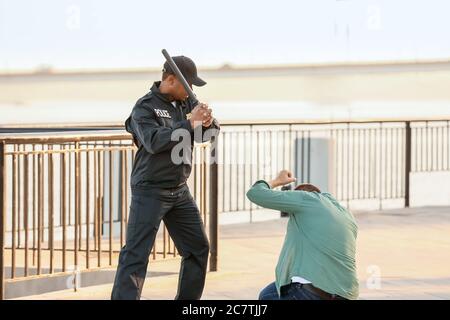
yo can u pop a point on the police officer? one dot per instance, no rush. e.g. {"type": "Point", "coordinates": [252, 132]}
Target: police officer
{"type": "Point", "coordinates": [158, 184]}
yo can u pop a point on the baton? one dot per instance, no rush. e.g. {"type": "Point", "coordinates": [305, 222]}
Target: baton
{"type": "Point", "coordinates": [180, 77]}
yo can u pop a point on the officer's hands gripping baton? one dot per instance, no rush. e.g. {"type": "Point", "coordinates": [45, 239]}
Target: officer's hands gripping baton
{"type": "Point", "coordinates": [180, 77]}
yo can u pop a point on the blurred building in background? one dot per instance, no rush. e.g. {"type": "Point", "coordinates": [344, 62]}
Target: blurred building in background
{"type": "Point", "coordinates": [413, 89]}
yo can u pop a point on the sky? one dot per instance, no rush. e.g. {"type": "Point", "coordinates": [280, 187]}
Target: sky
{"type": "Point", "coordinates": [87, 34]}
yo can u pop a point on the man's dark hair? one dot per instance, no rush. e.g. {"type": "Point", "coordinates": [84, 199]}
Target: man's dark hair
{"type": "Point", "coordinates": [307, 187]}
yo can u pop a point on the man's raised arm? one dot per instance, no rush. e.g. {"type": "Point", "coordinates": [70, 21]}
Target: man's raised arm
{"type": "Point", "coordinates": [261, 193]}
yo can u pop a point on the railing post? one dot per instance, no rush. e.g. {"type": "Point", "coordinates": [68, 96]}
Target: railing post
{"type": "Point", "coordinates": [2, 217]}
{"type": "Point", "coordinates": [407, 161]}
{"type": "Point", "coordinates": [213, 204]}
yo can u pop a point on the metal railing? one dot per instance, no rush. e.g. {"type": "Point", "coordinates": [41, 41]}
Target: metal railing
{"type": "Point", "coordinates": [363, 160]}
{"type": "Point", "coordinates": [64, 203]}
{"type": "Point", "coordinates": [78, 190]}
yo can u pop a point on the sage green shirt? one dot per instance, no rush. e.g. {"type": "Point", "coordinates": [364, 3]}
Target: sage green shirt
{"type": "Point", "coordinates": [320, 242]}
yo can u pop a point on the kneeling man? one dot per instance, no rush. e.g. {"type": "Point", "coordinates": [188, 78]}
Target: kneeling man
{"type": "Point", "coordinates": [317, 261]}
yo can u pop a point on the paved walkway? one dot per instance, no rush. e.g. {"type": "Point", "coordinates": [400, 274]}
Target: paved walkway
{"type": "Point", "coordinates": [408, 248]}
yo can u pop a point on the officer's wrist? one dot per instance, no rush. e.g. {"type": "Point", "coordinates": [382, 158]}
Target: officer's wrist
{"type": "Point", "coordinates": [194, 123]}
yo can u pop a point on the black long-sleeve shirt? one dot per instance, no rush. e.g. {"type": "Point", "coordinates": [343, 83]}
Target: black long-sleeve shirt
{"type": "Point", "coordinates": [152, 122]}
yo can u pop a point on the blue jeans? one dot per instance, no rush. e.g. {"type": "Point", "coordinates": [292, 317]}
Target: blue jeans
{"type": "Point", "coordinates": [293, 291]}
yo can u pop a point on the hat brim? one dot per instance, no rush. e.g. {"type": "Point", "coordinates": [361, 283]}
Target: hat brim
{"type": "Point", "coordinates": [198, 82]}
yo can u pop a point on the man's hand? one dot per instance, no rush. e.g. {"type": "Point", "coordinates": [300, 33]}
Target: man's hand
{"type": "Point", "coordinates": [208, 120]}
{"type": "Point", "coordinates": [201, 114]}
{"type": "Point", "coordinates": [208, 123]}
{"type": "Point", "coordinates": [284, 177]}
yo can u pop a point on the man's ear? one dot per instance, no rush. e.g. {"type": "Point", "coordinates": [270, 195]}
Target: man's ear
{"type": "Point", "coordinates": [172, 79]}
{"type": "Point", "coordinates": [169, 80]}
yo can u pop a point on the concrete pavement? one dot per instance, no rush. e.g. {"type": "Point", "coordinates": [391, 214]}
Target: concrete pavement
{"type": "Point", "coordinates": [402, 254]}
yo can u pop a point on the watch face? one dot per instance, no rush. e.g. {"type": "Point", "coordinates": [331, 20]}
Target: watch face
{"type": "Point", "coordinates": [188, 116]}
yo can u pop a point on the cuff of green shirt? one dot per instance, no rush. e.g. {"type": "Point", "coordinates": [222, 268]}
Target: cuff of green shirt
{"type": "Point", "coordinates": [263, 181]}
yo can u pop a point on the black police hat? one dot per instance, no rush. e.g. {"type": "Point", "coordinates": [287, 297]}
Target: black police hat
{"type": "Point", "coordinates": [187, 68]}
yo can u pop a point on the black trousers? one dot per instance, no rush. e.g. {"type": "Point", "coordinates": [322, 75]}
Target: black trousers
{"type": "Point", "coordinates": [180, 214]}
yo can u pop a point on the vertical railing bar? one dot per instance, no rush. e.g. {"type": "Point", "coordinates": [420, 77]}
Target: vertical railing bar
{"type": "Point", "coordinates": [270, 156]}
{"type": "Point", "coordinates": [380, 162]}
{"type": "Point", "coordinates": [257, 164]}
{"type": "Point", "coordinates": [245, 165]}
{"type": "Point", "coordinates": [419, 136]}
{"type": "Point", "coordinates": [374, 165]}
{"type": "Point", "coordinates": [231, 170]}
{"type": "Point", "coordinates": [396, 163]}
{"type": "Point", "coordinates": [126, 191]}
{"type": "Point", "coordinates": [393, 164]}
{"type": "Point", "coordinates": [441, 129]}
{"type": "Point", "coordinates": [364, 165]}
{"type": "Point", "coordinates": [250, 167]}
{"type": "Point", "coordinates": [429, 147]}
{"type": "Point", "coordinates": [237, 171]}
{"type": "Point", "coordinates": [223, 170]}
{"type": "Point", "coordinates": [298, 155]}
{"type": "Point", "coordinates": [101, 173]}
{"type": "Point", "coordinates": [448, 144]}
{"type": "Point", "coordinates": [43, 194]}
{"type": "Point", "coordinates": [164, 241]}
{"type": "Point", "coordinates": [433, 148]}
{"type": "Point", "coordinates": [333, 154]}
{"type": "Point", "coordinates": [399, 162]}
{"type": "Point", "coordinates": [77, 202]}
{"type": "Point", "coordinates": [203, 175]}
{"type": "Point", "coordinates": [14, 213]}
{"type": "Point", "coordinates": [80, 223]}
{"type": "Point", "coordinates": [95, 177]}
{"type": "Point", "coordinates": [357, 164]}
{"type": "Point", "coordinates": [302, 157]}
{"type": "Point", "coordinates": [361, 164]}
{"type": "Point", "coordinates": [424, 147]}
{"type": "Point", "coordinates": [342, 164]}
{"type": "Point", "coordinates": [19, 198]}
{"type": "Point", "coordinates": [309, 156]}
{"type": "Point", "coordinates": [416, 149]}
{"type": "Point", "coordinates": [40, 208]}
{"type": "Point", "coordinates": [88, 207]}
{"type": "Point", "coordinates": [348, 165]}
{"type": "Point", "coordinates": [386, 164]}
{"type": "Point", "coordinates": [402, 160]}
{"type": "Point", "coordinates": [407, 162]}
{"type": "Point", "coordinates": [25, 210]}
{"type": "Point", "coordinates": [213, 207]}
{"type": "Point", "coordinates": [122, 213]}
{"type": "Point", "coordinates": [69, 187]}
{"type": "Point", "coordinates": [238, 142]}
{"type": "Point", "coordinates": [439, 146]}
{"type": "Point", "coordinates": [3, 214]}
{"type": "Point", "coordinates": [110, 205]}
{"type": "Point", "coordinates": [154, 250]}
{"type": "Point", "coordinates": [63, 206]}
{"type": "Point", "coordinates": [194, 172]}
{"type": "Point", "coordinates": [369, 176]}
{"type": "Point", "coordinates": [50, 206]}
{"type": "Point", "coordinates": [354, 166]}
{"type": "Point", "coordinates": [283, 152]}
{"type": "Point", "coordinates": [34, 203]}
